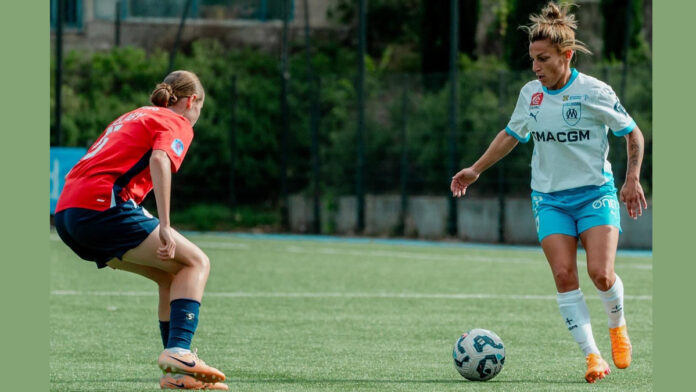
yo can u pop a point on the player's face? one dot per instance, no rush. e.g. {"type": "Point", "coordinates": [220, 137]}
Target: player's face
{"type": "Point", "coordinates": [551, 67]}
{"type": "Point", "coordinates": [192, 113]}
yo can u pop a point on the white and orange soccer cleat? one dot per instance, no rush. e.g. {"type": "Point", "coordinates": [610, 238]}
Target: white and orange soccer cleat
{"type": "Point", "coordinates": [184, 381]}
{"type": "Point", "coordinates": [621, 348]}
{"type": "Point", "coordinates": [189, 364]}
{"type": "Point", "coordinates": [597, 368]}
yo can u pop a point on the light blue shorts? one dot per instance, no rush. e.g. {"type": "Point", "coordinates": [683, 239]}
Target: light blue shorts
{"type": "Point", "coordinates": [573, 211]}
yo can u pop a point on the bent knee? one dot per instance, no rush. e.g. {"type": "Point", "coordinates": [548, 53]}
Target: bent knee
{"type": "Point", "coordinates": [198, 260]}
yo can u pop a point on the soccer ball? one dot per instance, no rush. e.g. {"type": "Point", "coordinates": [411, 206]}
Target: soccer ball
{"type": "Point", "coordinates": [479, 355]}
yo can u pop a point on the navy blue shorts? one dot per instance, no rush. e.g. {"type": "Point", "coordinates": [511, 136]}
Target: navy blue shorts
{"type": "Point", "coordinates": [100, 236]}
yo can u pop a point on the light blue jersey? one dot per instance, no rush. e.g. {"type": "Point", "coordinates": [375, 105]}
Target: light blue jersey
{"type": "Point", "coordinates": [569, 127]}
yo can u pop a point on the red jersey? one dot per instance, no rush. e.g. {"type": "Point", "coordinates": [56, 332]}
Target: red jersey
{"type": "Point", "coordinates": [116, 167]}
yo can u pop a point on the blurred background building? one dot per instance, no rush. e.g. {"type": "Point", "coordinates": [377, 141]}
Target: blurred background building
{"type": "Point", "coordinates": [320, 118]}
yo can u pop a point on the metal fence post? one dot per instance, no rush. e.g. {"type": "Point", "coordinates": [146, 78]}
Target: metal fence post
{"type": "Point", "coordinates": [359, 189]}
{"type": "Point", "coordinates": [313, 86]}
{"type": "Point", "coordinates": [117, 25]}
{"type": "Point", "coordinates": [404, 160]}
{"type": "Point", "coordinates": [284, 113]}
{"type": "Point", "coordinates": [452, 151]}
{"type": "Point", "coordinates": [233, 140]}
{"type": "Point", "coordinates": [501, 165]}
{"type": "Point", "coordinates": [175, 47]}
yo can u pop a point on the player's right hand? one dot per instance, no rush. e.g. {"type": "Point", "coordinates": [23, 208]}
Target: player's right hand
{"type": "Point", "coordinates": [462, 180]}
{"type": "Point", "coordinates": [167, 249]}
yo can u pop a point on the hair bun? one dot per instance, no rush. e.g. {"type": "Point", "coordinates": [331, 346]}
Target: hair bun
{"type": "Point", "coordinates": [165, 86]}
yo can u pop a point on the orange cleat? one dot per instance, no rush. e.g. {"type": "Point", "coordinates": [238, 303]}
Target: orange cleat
{"type": "Point", "coordinates": [597, 368]}
{"type": "Point", "coordinates": [184, 381]}
{"type": "Point", "coordinates": [621, 348]}
{"type": "Point", "coordinates": [189, 364]}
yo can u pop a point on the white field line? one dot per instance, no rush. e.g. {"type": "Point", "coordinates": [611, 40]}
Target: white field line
{"type": "Point", "coordinates": [420, 256]}
{"type": "Point", "coordinates": [335, 295]}
{"type": "Point", "coordinates": [393, 254]}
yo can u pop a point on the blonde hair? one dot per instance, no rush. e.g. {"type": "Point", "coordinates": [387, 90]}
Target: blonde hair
{"type": "Point", "coordinates": [176, 85]}
{"type": "Point", "coordinates": [557, 25]}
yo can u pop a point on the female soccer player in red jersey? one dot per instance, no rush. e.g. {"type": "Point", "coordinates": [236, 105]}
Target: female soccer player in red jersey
{"type": "Point", "coordinates": [99, 217]}
{"type": "Point", "coordinates": [569, 114]}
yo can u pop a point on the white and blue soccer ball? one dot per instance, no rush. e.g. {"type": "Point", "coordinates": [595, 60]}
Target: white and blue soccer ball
{"type": "Point", "coordinates": [479, 355]}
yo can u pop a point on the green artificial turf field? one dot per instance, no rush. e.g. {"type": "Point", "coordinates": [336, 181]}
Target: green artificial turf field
{"type": "Point", "coordinates": [315, 314]}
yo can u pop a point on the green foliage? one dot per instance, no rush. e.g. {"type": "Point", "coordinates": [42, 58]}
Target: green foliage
{"type": "Point", "coordinates": [237, 147]}
{"type": "Point", "coordinates": [615, 14]}
{"type": "Point", "coordinates": [516, 41]}
{"type": "Point", "coordinates": [207, 217]}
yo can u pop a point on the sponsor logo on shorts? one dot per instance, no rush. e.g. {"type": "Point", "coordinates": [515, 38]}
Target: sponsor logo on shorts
{"type": "Point", "coordinates": [606, 202]}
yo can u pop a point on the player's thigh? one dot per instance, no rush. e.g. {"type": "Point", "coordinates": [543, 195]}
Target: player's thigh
{"type": "Point", "coordinates": [159, 276]}
{"type": "Point", "coordinates": [561, 252]}
{"type": "Point", "coordinates": [187, 254]}
{"type": "Point", "coordinates": [600, 243]}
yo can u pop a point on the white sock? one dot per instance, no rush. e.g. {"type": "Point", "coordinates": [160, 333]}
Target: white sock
{"type": "Point", "coordinates": [613, 303]}
{"type": "Point", "coordinates": [178, 350]}
{"type": "Point", "coordinates": [576, 318]}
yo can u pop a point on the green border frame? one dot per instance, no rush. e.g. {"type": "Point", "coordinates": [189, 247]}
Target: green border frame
{"type": "Point", "coordinates": [673, 100]}
{"type": "Point", "coordinates": [24, 285]}
{"type": "Point", "coordinates": [24, 32]}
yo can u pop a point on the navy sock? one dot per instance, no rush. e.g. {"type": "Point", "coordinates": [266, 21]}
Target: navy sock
{"type": "Point", "coordinates": [183, 320]}
{"type": "Point", "coordinates": [164, 332]}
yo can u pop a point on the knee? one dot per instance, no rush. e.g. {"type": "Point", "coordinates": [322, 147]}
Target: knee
{"type": "Point", "coordinates": [200, 261]}
{"type": "Point", "coordinates": [566, 279]}
{"type": "Point", "coordinates": [602, 278]}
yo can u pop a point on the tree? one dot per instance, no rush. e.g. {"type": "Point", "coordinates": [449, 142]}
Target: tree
{"type": "Point", "coordinates": [516, 41]}
{"type": "Point", "coordinates": [435, 35]}
{"type": "Point", "coordinates": [614, 32]}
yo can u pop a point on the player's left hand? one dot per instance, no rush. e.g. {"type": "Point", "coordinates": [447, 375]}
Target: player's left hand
{"type": "Point", "coordinates": [634, 199]}
{"type": "Point", "coordinates": [167, 249]}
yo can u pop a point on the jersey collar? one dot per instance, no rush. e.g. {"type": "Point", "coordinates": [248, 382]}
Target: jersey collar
{"type": "Point", "coordinates": [573, 75]}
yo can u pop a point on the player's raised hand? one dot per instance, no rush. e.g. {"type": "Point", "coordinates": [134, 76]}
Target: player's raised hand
{"type": "Point", "coordinates": [167, 249]}
{"type": "Point", "coordinates": [634, 199]}
{"type": "Point", "coordinates": [462, 180]}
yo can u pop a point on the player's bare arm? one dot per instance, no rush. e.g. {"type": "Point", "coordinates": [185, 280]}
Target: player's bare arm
{"type": "Point", "coordinates": [632, 192]}
{"type": "Point", "coordinates": [161, 173]}
{"type": "Point", "coordinates": [499, 148]}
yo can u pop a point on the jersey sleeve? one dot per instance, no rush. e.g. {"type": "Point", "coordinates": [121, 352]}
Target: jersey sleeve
{"type": "Point", "coordinates": [174, 137]}
{"type": "Point", "coordinates": [517, 126]}
{"type": "Point", "coordinates": [608, 109]}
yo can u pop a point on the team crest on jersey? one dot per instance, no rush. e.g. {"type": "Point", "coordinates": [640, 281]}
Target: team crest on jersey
{"type": "Point", "coordinates": [178, 147]}
{"type": "Point", "coordinates": [536, 99]}
{"type": "Point", "coordinates": [572, 112]}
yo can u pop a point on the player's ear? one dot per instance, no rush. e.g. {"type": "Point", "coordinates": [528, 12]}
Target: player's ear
{"type": "Point", "coordinates": [568, 54]}
{"type": "Point", "coordinates": [190, 101]}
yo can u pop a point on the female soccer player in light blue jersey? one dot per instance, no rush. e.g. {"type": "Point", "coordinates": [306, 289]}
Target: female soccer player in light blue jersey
{"type": "Point", "coordinates": [568, 115]}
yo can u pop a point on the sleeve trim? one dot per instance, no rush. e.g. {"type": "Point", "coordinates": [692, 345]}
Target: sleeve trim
{"type": "Point", "coordinates": [625, 131]}
{"type": "Point", "coordinates": [516, 136]}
